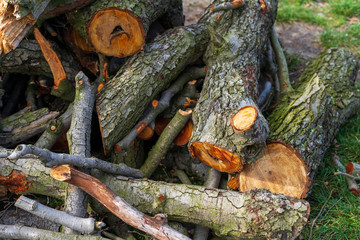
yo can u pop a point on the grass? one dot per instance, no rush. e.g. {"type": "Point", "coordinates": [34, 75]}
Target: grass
{"type": "Point", "coordinates": [335, 210]}
{"type": "Point", "coordinates": [339, 18]}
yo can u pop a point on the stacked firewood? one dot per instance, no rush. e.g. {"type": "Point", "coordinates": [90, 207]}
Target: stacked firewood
{"type": "Point", "coordinates": [87, 78]}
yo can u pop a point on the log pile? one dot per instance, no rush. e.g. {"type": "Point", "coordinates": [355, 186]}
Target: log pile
{"type": "Point", "coordinates": [101, 77]}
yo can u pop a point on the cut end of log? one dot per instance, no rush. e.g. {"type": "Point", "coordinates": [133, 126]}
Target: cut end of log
{"type": "Point", "coordinates": [61, 173]}
{"type": "Point", "coordinates": [52, 58]}
{"type": "Point", "coordinates": [116, 32]}
{"type": "Point", "coordinates": [184, 136]}
{"type": "Point", "coordinates": [15, 182]}
{"type": "Point", "coordinates": [244, 118]}
{"type": "Point", "coordinates": [79, 41]}
{"type": "Point", "coordinates": [216, 157]}
{"type": "Point", "coordinates": [146, 134]}
{"type": "Point", "coordinates": [233, 182]}
{"type": "Point", "coordinates": [280, 169]}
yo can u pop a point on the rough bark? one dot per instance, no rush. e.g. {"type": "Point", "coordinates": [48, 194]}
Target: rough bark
{"type": "Point", "coordinates": [27, 58]}
{"type": "Point", "coordinates": [155, 226]}
{"type": "Point", "coordinates": [21, 126]}
{"type": "Point", "coordinates": [255, 214]}
{"type": "Point", "coordinates": [105, 24]}
{"type": "Point", "coordinates": [304, 124]}
{"type": "Point", "coordinates": [124, 98]}
{"type": "Point", "coordinates": [229, 128]}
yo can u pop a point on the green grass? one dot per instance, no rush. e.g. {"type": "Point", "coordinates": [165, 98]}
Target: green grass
{"type": "Point", "coordinates": [335, 208]}
{"type": "Point", "coordinates": [332, 15]}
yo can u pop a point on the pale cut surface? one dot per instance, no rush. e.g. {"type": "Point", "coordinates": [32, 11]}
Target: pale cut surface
{"type": "Point", "coordinates": [244, 118]}
{"type": "Point", "coordinates": [280, 170]}
{"type": "Point", "coordinates": [116, 32]}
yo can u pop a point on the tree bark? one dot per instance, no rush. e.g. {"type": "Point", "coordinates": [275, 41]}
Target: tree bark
{"type": "Point", "coordinates": [229, 128]}
{"type": "Point", "coordinates": [22, 126]}
{"type": "Point", "coordinates": [124, 98]}
{"type": "Point", "coordinates": [304, 124]}
{"type": "Point", "coordinates": [117, 28]}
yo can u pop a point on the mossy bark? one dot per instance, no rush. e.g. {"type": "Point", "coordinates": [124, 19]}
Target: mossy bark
{"type": "Point", "coordinates": [124, 98]}
{"type": "Point", "coordinates": [325, 96]}
{"type": "Point", "coordinates": [238, 39]}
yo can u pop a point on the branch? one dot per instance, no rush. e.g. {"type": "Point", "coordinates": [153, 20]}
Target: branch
{"type": "Point", "coordinates": [155, 226]}
{"type": "Point", "coordinates": [283, 72]}
{"type": "Point", "coordinates": [55, 159]}
{"type": "Point", "coordinates": [29, 233]}
{"type": "Point", "coordinates": [227, 6]}
{"type": "Point", "coordinates": [164, 141]}
{"type": "Point", "coordinates": [164, 102]}
{"type": "Point", "coordinates": [82, 225]}
{"type": "Point", "coordinates": [352, 185]}
{"type": "Point", "coordinates": [55, 129]}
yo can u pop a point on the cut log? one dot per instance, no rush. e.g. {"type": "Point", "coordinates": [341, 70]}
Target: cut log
{"type": "Point", "coordinates": [229, 129]}
{"type": "Point", "coordinates": [21, 126]}
{"type": "Point", "coordinates": [256, 214]}
{"type": "Point", "coordinates": [124, 98]}
{"type": "Point", "coordinates": [117, 28]}
{"type": "Point", "coordinates": [304, 124]}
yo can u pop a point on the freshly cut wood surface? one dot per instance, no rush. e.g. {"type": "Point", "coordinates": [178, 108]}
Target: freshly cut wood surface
{"type": "Point", "coordinates": [280, 169]}
{"type": "Point", "coordinates": [244, 118]}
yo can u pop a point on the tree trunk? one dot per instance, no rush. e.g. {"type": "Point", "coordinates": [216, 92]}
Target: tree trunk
{"type": "Point", "coordinates": [255, 214]}
{"type": "Point", "coordinates": [229, 128]}
{"type": "Point", "coordinates": [117, 28]}
{"type": "Point", "coordinates": [124, 98]}
{"type": "Point", "coordinates": [304, 124]}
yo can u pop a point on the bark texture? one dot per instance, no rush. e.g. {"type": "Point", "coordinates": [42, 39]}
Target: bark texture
{"type": "Point", "coordinates": [238, 37]}
{"type": "Point", "coordinates": [98, 22]}
{"type": "Point", "coordinates": [305, 123]}
{"type": "Point", "coordinates": [124, 98]}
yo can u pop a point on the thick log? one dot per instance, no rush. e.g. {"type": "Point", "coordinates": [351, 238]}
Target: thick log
{"type": "Point", "coordinates": [117, 28]}
{"type": "Point", "coordinates": [124, 98]}
{"type": "Point", "coordinates": [229, 128]}
{"type": "Point", "coordinates": [304, 124]}
{"type": "Point", "coordinates": [24, 125]}
{"type": "Point", "coordinates": [255, 214]}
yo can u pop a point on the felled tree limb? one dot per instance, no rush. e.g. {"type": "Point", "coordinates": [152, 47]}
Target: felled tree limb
{"type": "Point", "coordinates": [283, 72]}
{"type": "Point", "coordinates": [166, 138]}
{"type": "Point", "coordinates": [304, 124]}
{"type": "Point", "coordinates": [163, 103]}
{"type": "Point", "coordinates": [29, 233]}
{"type": "Point", "coordinates": [19, 127]}
{"type": "Point", "coordinates": [155, 226]}
{"type": "Point", "coordinates": [55, 159]}
{"type": "Point", "coordinates": [82, 225]}
{"type": "Point", "coordinates": [55, 129]}
{"type": "Point", "coordinates": [229, 128]}
{"type": "Point", "coordinates": [117, 28]}
{"type": "Point", "coordinates": [347, 172]}
{"type": "Point", "coordinates": [124, 98]}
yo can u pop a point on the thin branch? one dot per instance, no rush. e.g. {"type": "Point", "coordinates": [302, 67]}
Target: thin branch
{"type": "Point", "coordinates": [55, 159]}
{"type": "Point", "coordinates": [164, 102]}
{"type": "Point", "coordinates": [155, 226]}
{"type": "Point", "coordinates": [352, 185]}
{"type": "Point", "coordinates": [82, 225]}
{"type": "Point", "coordinates": [283, 72]}
{"type": "Point", "coordinates": [166, 138]}
{"type": "Point", "coordinates": [29, 233]}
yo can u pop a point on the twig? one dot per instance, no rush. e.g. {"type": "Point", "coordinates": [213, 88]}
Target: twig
{"type": "Point", "coordinates": [164, 141]}
{"type": "Point", "coordinates": [55, 129]}
{"type": "Point", "coordinates": [155, 226]}
{"type": "Point", "coordinates": [283, 72]}
{"type": "Point", "coordinates": [352, 185]}
{"type": "Point", "coordinates": [264, 94]}
{"type": "Point", "coordinates": [82, 225]}
{"type": "Point", "coordinates": [111, 236]}
{"type": "Point", "coordinates": [29, 233]}
{"type": "Point", "coordinates": [227, 6]}
{"type": "Point", "coordinates": [273, 70]}
{"type": "Point", "coordinates": [182, 176]}
{"type": "Point", "coordinates": [55, 159]}
{"type": "Point", "coordinates": [163, 103]}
